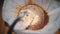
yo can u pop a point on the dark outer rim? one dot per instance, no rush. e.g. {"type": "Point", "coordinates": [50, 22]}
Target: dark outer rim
{"type": "Point", "coordinates": [46, 17]}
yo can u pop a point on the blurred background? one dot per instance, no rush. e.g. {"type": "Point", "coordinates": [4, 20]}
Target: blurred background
{"type": "Point", "coordinates": [3, 27]}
